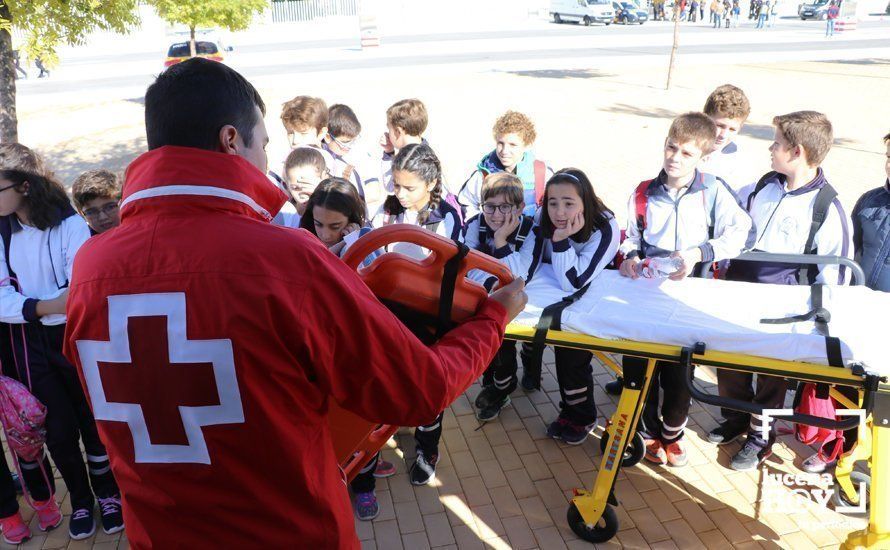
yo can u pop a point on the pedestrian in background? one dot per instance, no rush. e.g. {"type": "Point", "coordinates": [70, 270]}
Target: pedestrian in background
{"type": "Point", "coordinates": [830, 17]}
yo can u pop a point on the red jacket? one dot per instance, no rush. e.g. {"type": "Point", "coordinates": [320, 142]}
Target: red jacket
{"type": "Point", "coordinates": [210, 343]}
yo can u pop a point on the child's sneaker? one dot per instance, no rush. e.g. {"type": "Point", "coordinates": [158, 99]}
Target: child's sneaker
{"type": "Point", "coordinates": [14, 529]}
{"type": "Point", "coordinates": [726, 433]}
{"type": "Point", "coordinates": [615, 387]}
{"type": "Point", "coordinates": [384, 469]}
{"type": "Point", "coordinates": [676, 453]}
{"type": "Point", "coordinates": [576, 434]}
{"type": "Point", "coordinates": [82, 525]}
{"type": "Point", "coordinates": [486, 397]}
{"type": "Point", "coordinates": [557, 427]}
{"type": "Point", "coordinates": [112, 517]}
{"type": "Point", "coordinates": [423, 471]}
{"type": "Point", "coordinates": [492, 411]}
{"type": "Point", "coordinates": [752, 454]}
{"type": "Point", "coordinates": [529, 383]}
{"type": "Point", "coordinates": [48, 514]}
{"type": "Point", "coordinates": [655, 452]}
{"type": "Point", "coordinates": [365, 505]}
{"type": "Point", "coordinates": [816, 465]}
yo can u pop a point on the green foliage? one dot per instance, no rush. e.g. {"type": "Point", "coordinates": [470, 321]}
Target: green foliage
{"type": "Point", "coordinates": [234, 15]}
{"type": "Point", "coordinates": [46, 24]}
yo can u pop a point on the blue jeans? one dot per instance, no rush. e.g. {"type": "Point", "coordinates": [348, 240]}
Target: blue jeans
{"type": "Point", "coordinates": [760, 21]}
{"type": "Point", "coordinates": [829, 28]}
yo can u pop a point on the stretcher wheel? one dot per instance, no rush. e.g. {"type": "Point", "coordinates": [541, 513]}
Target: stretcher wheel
{"type": "Point", "coordinates": [634, 452]}
{"type": "Point", "coordinates": [840, 499]}
{"type": "Point", "coordinates": [604, 529]}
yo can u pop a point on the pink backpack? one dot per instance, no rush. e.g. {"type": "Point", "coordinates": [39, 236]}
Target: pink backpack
{"type": "Point", "coordinates": [811, 403]}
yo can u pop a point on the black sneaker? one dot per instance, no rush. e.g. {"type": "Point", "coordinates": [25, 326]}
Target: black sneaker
{"type": "Point", "coordinates": [112, 517]}
{"type": "Point", "coordinates": [486, 397]}
{"type": "Point", "coordinates": [557, 427]}
{"type": "Point", "coordinates": [82, 525]}
{"type": "Point", "coordinates": [752, 454]}
{"type": "Point", "coordinates": [492, 411]}
{"type": "Point", "coordinates": [423, 471]}
{"type": "Point", "coordinates": [615, 387]}
{"type": "Point", "coordinates": [575, 434]}
{"type": "Point", "coordinates": [726, 433]}
{"type": "Point", "coordinates": [529, 383]}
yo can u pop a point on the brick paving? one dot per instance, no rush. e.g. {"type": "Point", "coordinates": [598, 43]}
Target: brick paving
{"type": "Point", "coordinates": [505, 485]}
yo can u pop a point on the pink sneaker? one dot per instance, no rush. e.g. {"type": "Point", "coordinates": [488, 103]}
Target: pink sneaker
{"type": "Point", "coordinates": [14, 529]}
{"type": "Point", "coordinates": [48, 514]}
{"type": "Point", "coordinates": [384, 469]}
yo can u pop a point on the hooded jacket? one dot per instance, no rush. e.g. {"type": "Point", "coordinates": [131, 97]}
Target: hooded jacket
{"type": "Point", "coordinates": [210, 344]}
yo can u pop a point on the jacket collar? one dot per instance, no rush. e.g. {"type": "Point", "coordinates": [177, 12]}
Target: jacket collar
{"type": "Point", "coordinates": [659, 184]}
{"type": "Point", "coordinates": [203, 179]}
{"type": "Point", "coordinates": [815, 184]}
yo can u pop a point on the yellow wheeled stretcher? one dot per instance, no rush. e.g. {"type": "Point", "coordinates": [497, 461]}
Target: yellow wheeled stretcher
{"type": "Point", "coordinates": [592, 516]}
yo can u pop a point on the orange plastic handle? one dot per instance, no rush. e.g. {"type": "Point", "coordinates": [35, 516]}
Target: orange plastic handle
{"type": "Point", "coordinates": [441, 250]}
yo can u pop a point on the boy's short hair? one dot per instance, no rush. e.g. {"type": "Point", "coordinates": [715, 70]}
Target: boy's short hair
{"type": "Point", "coordinates": [95, 184]}
{"type": "Point", "coordinates": [887, 138]}
{"type": "Point", "coordinates": [188, 103]}
{"type": "Point", "coordinates": [342, 122]}
{"type": "Point", "coordinates": [503, 183]}
{"type": "Point", "coordinates": [304, 112]}
{"type": "Point", "coordinates": [514, 122]}
{"type": "Point", "coordinates": [408, 114]}
{"type": "Point", "coordinates": [696, 127]}
{"type": "Point", "coordinates": [728, 101]}
{"type": "Point", "coordinates": [305, 156]}
{"type": "Point", "coordinates": [809, 129]}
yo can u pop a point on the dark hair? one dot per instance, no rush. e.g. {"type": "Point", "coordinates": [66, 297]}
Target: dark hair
{"type": "Point", "coordinates": [342, 122]}
{"type": "Point", "coordinates": [46, 198]}
{"type": "Point", "coordinates": [595, 211]}
{"type": "Point", "coordinates": [338, 195]}
{"type": "Point", "coordinates": [420, 160]}
{"type": "Point", "coordinates": [95, 184]}
{"type": "Point", "coordinates": [887, 138]}
{"type": "Point", "coordinates": [190, 102]}
{"type": "Point", "coordinates": [306, 156]}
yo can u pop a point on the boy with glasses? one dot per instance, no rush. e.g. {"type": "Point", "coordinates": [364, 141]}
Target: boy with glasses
{"type": "Point", "coordinates": [96, 196]}
{"type": "Point", "coordinates": [351, 163]}
{"type": "Point", "coordinates": [501, 231]}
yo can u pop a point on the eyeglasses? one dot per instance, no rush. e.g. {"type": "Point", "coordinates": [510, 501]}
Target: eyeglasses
{"type": "Point", "coordinates": [94, 213]}
{"type": "Point", "coordinates": [2, 189]}
{"type": "Point", "coordinates": [504, 208]}
{"type": "Point", "coordinates": [345, 145]}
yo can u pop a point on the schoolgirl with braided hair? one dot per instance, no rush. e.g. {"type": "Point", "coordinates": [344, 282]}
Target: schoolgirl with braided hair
{"type": "Point", "coordinates": [418, 197]}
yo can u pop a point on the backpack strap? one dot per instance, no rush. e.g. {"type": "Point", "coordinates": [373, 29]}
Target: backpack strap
{"type": "Point", "coordinates": [537, 254]}
{"type": "Point", "coordinates": [761, 183]}
{"type": "Point", "coordinates": [540, 183]}
{"type": "Point", "coordinates": [641, 201]}
{"type": "Point", "coordinates": [6, 233]}
{"type": "Point", "coordinates": [525, 226]}
{"type": "Point", "coordinates": [824, 198]}
{"type": "Point", "coordinates": [551, 318]}
{"type": "Point", "coordinates": [348, 172]}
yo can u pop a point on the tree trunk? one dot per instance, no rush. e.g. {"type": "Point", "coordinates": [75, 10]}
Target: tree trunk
{"type": "Point", "coordinates": [676, 47]}
{"type": "Point", "coordinates": [9, 132]}
{"type": "Point", "coordinates": [192, 48]}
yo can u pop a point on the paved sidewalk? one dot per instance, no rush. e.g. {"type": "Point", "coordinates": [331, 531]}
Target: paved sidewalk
{"type": "Point", "coordinates": [506, 485]}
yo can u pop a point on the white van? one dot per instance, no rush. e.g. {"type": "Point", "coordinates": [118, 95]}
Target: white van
{"type": "Point", "coordinates": [582, 11]}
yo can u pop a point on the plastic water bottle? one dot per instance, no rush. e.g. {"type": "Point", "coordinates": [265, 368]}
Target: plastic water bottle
{"type": "Point", "coordinates": [658, 268]}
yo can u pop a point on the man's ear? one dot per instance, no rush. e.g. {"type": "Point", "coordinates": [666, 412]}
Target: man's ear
{"type": "Point", "coordinates": [228, 140]}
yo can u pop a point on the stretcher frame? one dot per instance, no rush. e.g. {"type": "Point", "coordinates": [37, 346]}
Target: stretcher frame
{"type": "Point", "coordinates": [591, 514]}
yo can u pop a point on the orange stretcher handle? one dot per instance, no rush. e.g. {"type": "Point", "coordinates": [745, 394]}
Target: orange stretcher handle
{"type": "Point", "coordinates": [416, 283]}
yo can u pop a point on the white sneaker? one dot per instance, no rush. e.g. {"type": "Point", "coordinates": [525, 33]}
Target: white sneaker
{"type": "Point", "coordinates": [815, 464]}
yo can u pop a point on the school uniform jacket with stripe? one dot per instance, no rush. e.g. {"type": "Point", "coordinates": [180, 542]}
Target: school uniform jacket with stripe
{"type": "Point", "coordinates": [443, 220]}
{"type": "Point", "coordinates": [705, 215]}
{"type": "Point", "coordinates": [574, 263]}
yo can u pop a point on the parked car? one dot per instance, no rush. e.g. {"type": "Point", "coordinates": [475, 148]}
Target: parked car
{"type": "Point", "coordinates": [816, 10]}
{"type": "Point", "coordinates": [582, 11]}
{"type": "Point", "coordinates": [208, 49]}
{"type": "Point", "coordinates": [629, 13]}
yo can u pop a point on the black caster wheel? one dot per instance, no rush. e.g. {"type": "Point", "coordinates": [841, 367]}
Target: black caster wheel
{"type": "Point", "coordinates": [840, 499]}
{"type": "Point", "coordinates": [634, 452]}
{"type": "Point", "coordinates": [604, 529]}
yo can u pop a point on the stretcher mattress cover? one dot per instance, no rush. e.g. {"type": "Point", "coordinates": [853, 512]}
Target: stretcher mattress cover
{"type": "Point", "coordinates": [725, 315]}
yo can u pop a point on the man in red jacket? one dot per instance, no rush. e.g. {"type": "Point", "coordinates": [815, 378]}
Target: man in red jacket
{"type": "Point", "coordinates": [210, 341]}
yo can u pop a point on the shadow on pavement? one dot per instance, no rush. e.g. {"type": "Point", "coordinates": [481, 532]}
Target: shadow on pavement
{"type": "Point", "coordinates": [70, 159]}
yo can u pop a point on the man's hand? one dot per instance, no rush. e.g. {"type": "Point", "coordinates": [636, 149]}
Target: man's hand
{"type": "Point", "coordinates": [386, 143]}
{"type": "Point", "coordinates": [511, 222]}
{"type": "Point", "coordinates": [628, 268]}
{"type": "Point", "coordinates": [690, 258]}
{"type": "Point", "coordinates": [512, 297]}
{"type": "Point", "coordinates": [573, 226]}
